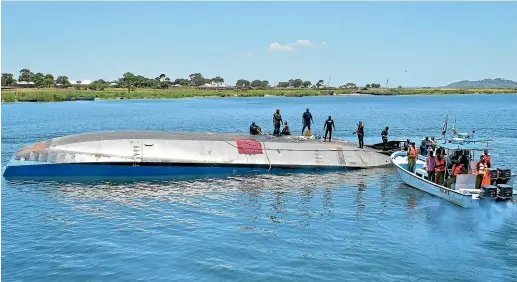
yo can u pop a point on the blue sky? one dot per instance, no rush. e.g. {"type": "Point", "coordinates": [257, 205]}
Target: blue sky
{"type": "Point", "coordinates": [409, 43]}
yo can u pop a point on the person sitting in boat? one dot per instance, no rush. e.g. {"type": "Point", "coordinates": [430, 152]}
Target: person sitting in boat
{"type": "Point", "coordinates": [255, 129]}
{"type": "Point", "coordinates": [481, 168]}
{"type": "Point", "coordinates": [384, 135]}
{"type": "Point", "coordinates": [457, 168]}
{"type": "Point", "coordinates": [285, 130]}
{"type": "Point", "coordinates": [487, 159]}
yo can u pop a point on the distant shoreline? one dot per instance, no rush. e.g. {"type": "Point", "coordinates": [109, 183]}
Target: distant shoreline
{"type": "Point", "coordinates": [56, 95]}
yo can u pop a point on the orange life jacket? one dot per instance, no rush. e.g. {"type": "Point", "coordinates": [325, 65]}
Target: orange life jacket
{"type": "Point", "coordinates": [486, 178]}
{"type": "Point", "coordinates": [439, 165]}
{"type": "Point", "coordinates": [456, 169]}
{"type": "Point", "coordinates": [412, 152]}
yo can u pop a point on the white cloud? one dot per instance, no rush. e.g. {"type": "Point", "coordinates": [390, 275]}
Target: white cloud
{"type": "Point", "coordinates": [275, 46]}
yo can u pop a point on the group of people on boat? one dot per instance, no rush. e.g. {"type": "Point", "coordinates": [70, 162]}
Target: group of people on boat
{"type": "Point", "coordinates": [435, 165]}
{"type": "Point", "coordinates": [307, 120]}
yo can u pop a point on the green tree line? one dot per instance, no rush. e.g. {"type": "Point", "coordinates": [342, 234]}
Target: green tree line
{"type": "Point", "coordinates": [131, 81]}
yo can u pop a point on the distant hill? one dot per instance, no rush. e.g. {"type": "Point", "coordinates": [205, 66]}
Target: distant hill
{"type": "Point", "coordinates": [485, 83]}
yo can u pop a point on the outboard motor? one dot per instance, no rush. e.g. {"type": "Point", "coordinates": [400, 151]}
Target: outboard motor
{"type": "Point", "coordinates": [488, 192]}
{"type": "Point", "coordinates": [502, 177]}
{"type": "Point", "coordinates": [505, 191]}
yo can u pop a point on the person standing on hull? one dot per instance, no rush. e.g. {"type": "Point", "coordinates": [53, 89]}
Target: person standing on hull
{"type": "Point", "coordinates": [306, 120]}
{"type": "Point", "coordinates": [329, 124]}
{"type": "Point", "coordinates": [360, 134]}
{"type": "Point", "coordinates": [384, 135]}
{"type": "Point", "coordinates": [277, 122]}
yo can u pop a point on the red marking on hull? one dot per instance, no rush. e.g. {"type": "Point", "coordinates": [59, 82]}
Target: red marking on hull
{"type": "Point", "coordinates": [249, 147]}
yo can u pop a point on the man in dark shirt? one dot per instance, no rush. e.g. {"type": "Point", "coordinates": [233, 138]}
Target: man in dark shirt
{"type": "Point", "coordinates": [384, 135]}
{"type": "Point", "coordinates": [255, 129]}
{"type": "Point", "coordinates": [306, 120]}
{"type": "Point", "coordinates": [277, 121]}
{"type": "Point", "coordinates": [360, 133]}
{"type": "Point", "coordinates": [329, 124]}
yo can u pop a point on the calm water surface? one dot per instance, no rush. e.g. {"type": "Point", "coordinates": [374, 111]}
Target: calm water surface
{"type": "Point", "coordinates": [355, 226]}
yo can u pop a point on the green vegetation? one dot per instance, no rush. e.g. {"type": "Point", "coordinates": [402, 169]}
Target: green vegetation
{"type": "Point", "coordinates": [143, 93]}
{"type": "Point", "coordinates": [188, 92]}
{"type": "Point", "coordinates": [130, 86]}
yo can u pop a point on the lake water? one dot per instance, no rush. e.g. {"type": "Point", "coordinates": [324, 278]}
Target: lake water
{"type": "Point", "coordinates": [352, 226]}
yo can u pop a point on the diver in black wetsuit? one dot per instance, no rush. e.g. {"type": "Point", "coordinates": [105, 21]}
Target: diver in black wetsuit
{"type": "Point", "coordinates": [360, 133]}
{"type": "Point", "coordinates": [384, 135]}
{"type": "Point", "coordinates": [329, 124]}
{"type": "Point", "coordinates": [277, 121]}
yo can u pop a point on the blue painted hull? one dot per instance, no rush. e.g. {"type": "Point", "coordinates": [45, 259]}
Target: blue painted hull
{"type": "Point", "coordinates": [46, 170]}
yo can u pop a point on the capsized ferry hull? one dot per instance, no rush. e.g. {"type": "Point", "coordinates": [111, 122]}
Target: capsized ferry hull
{"type": "Point", "coordinates": [148, 153]}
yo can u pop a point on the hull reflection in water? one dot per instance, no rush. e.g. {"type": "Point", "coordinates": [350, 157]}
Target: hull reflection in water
{"type": "Point", "coordinates": [279, 190]}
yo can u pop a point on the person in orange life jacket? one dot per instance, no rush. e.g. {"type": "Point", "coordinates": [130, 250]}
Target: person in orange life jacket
{"type": "Point", "coordinates": [411, 157]}
{"type": "Point", "coordinates": [481, 168]}
{"type": "Point", "coordinates": [457, 168]}
{"type": "Point", "coordinates": [487, 159]}
{"type": "Point", "coordinates": [429, 163]}
{"type": "Point", "coordinates": [439, 168]}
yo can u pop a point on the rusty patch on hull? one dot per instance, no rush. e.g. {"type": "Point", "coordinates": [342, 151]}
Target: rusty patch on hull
{"type": "Point", "coordinates": [36, 147]}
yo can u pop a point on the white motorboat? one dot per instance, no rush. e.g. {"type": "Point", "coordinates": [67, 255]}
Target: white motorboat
{"type": "Point", "coordinates": [463, 192]}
